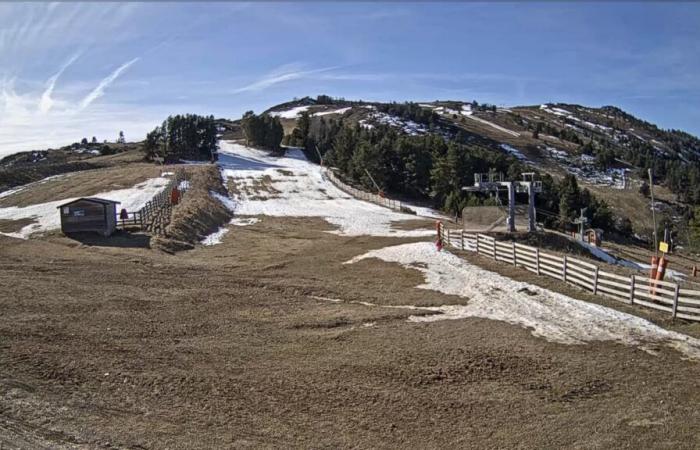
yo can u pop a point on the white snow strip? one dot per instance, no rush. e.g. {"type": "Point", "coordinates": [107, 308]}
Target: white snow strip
{"type": "Point", "coordinates": [513, 151]}
{"type": "Point", "coordinates": [215, 237]}
{"type": "Point", "coordinates": [226, 201]}
{"type": "Point", "coordinates": [292, 186]}
{"type": "Point", "coordinates": [335, 111]}
{"type": "Point", "coordinates": [35, 183]}
{"type": "Point", "coordinates": [550, 315]}
{"type": "Point", "coordinates": [47, 216]}
{"type": "Point", "coordinates": [492, 125]}
{"type": "Point", "coordinates": [244, 221]}
{"type": "Point", "coordinates": [11, 191]}
{"type": "Point", "coordinates": [290, 113]}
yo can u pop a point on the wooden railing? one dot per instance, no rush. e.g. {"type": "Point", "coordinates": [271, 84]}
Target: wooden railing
{"type": "Point", "coordinates": [633, 289]}
{"type": "Point", "coordinates": [154, 217]}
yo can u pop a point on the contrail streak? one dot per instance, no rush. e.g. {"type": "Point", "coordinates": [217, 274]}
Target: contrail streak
{"type": "Point", "coordinates": [46, 102]}
{"type": "Point", "coordinates": [104, 84]}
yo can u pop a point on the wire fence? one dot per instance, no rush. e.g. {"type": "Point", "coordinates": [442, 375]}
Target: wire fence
{"type": "Point", "coordinates": [634, 289]}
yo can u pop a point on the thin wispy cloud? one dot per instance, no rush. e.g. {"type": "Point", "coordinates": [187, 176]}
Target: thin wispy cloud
{"type": "Point", "coordinates": [283, 74]}
{"type": "Point", "coordinates": [46, 102]}
{"type": "Point", "coordinates": [104, 84]}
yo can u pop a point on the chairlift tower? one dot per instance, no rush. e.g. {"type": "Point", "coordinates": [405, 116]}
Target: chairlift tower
{"type": "Point", "coordinates": [493, 182]}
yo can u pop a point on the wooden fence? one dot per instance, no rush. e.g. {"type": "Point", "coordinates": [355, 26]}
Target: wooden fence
{"type": "Point", "coordinates": [374, 198]}
{"type": "Point", "coordinates": [634, 289]}
{"type": "Point", "coordinates": [154, 217]}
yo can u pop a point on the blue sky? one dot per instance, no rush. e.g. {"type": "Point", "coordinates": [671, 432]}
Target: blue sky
{"type": "Point", "coordinates": [69, 70]}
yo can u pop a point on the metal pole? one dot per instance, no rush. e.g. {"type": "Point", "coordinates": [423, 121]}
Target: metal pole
{"type": "Point", "coordinates": [320, 158]}
{"type": "Point", "coordinates": [531, 221]}
{"type": "Point", "coordinates": [511, 206]}
{"type": "Point", "coordinates": [374, 182]}
{"type": "Point", "coordinates": [653, 212]}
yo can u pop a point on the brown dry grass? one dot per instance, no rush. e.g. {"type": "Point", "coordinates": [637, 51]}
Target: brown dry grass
{"type": "Point", "coordinates": [13, 226]}
{"type": "Point", "coordinates": [234, 346]}
{"type": "Point", "coordinates": [84, 184]}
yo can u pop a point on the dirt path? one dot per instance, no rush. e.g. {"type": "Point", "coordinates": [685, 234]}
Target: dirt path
{"type": "Point", "coordinates": [241, 345]}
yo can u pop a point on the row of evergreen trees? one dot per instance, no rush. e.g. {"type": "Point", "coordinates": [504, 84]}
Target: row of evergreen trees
{"type": "Point", "coordinates": [262, 131]}
{"type": "Point", "coordinates": [428, 167]}
{"type": "Point", "coordinates": [183, 137]}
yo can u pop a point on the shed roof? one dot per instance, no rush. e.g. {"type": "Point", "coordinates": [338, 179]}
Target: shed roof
{"type": "Point", "coordinates": [102, 201]}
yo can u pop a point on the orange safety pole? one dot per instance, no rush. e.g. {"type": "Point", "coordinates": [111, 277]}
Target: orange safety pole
{"type": "Point", "coordinates": [663, 262]}
{"type": "Point", "coordinates": [652, 273]}
{"type": "Point", "coordinates": [659, 273]}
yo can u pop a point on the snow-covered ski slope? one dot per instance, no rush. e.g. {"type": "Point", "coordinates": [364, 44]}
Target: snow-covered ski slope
{"type": "Point", "coordinates": [550, 315]}
{"type": "Point", "coordinates": [291, 185]}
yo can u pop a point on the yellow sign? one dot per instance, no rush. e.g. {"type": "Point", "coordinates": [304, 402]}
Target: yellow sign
{"type": "Point", "coordinates": [663, 247]}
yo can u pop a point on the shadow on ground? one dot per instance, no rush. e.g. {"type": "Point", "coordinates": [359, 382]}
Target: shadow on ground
{"type": "Point", "coordinates": [120, 238]}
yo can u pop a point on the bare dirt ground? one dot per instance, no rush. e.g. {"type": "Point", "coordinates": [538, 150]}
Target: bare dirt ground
{"type": "Point", "coordinates": [241, 345]}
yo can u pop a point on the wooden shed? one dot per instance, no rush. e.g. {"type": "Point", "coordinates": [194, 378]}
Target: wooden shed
{"type": "Point", "coordinates": [89, 214]}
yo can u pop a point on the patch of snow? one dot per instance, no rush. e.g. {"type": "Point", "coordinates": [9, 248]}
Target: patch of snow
{"type": "Point", "coordinates": [290, 113]}
{"type": "Point", "coordinates": [292, 186]}
{"type": "Point", "coordinates": [557, 154]}
{"type": "Point", "coordinates": [215, 237]}
{"type": "Point", "coordinates": [335, 111]}
{"type": "Point", "coordinates": [47, 217]}
{"type": "Point", "coordinates": [513, 151]}
{"type": "Point", "coordinates": [492, 125]}
{"type": "Point", "coordinates": [550, 315]}
{"type": "Point", "coordinates": [225, 200]}
{"type": "Point", "coordinates": [244, 221]}
{"type": "Point", "coordinates": [35, 183]}
{"type": "Point", "coordinates": [9, 192]}
{"type": "Point", "coordinates": [407, 126]}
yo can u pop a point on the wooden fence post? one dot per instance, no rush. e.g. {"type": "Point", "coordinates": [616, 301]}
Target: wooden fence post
{"type": "Point", "coordinates": [515, 258]}
{"type": "Point", "coordinates": [675, 299]}
{"type": "Point", "coordinates": [493, 243]}
{"type": "Point", "coordinates": [595, 281]}
{"type": "Point", "coordinates": [462, 236]}
{"type": "Point", "coordinates": [563, 268]}
{"type": "Point", "coordinates": [477, 243]}
{"type": "Point", "coordinates": [537, 260]}
{"type": "Point", "coordinates": [632, 282]}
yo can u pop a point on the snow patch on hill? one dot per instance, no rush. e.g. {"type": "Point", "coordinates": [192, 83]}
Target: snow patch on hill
{"type": "Point", "coordinates": [513, 151]}
{"type": "Point", "coordinates": [407, 126]}
{"type": "Point", "coordinates": [335, 111]}
{"type": "Point", "coordinates": [550, 315]}
{"type": "Point", "coordinates": [289, 113]}
{"type": "Point", "coordinates": [292, 186]}
{"type": "Point", "coordinates": [492, 125]}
